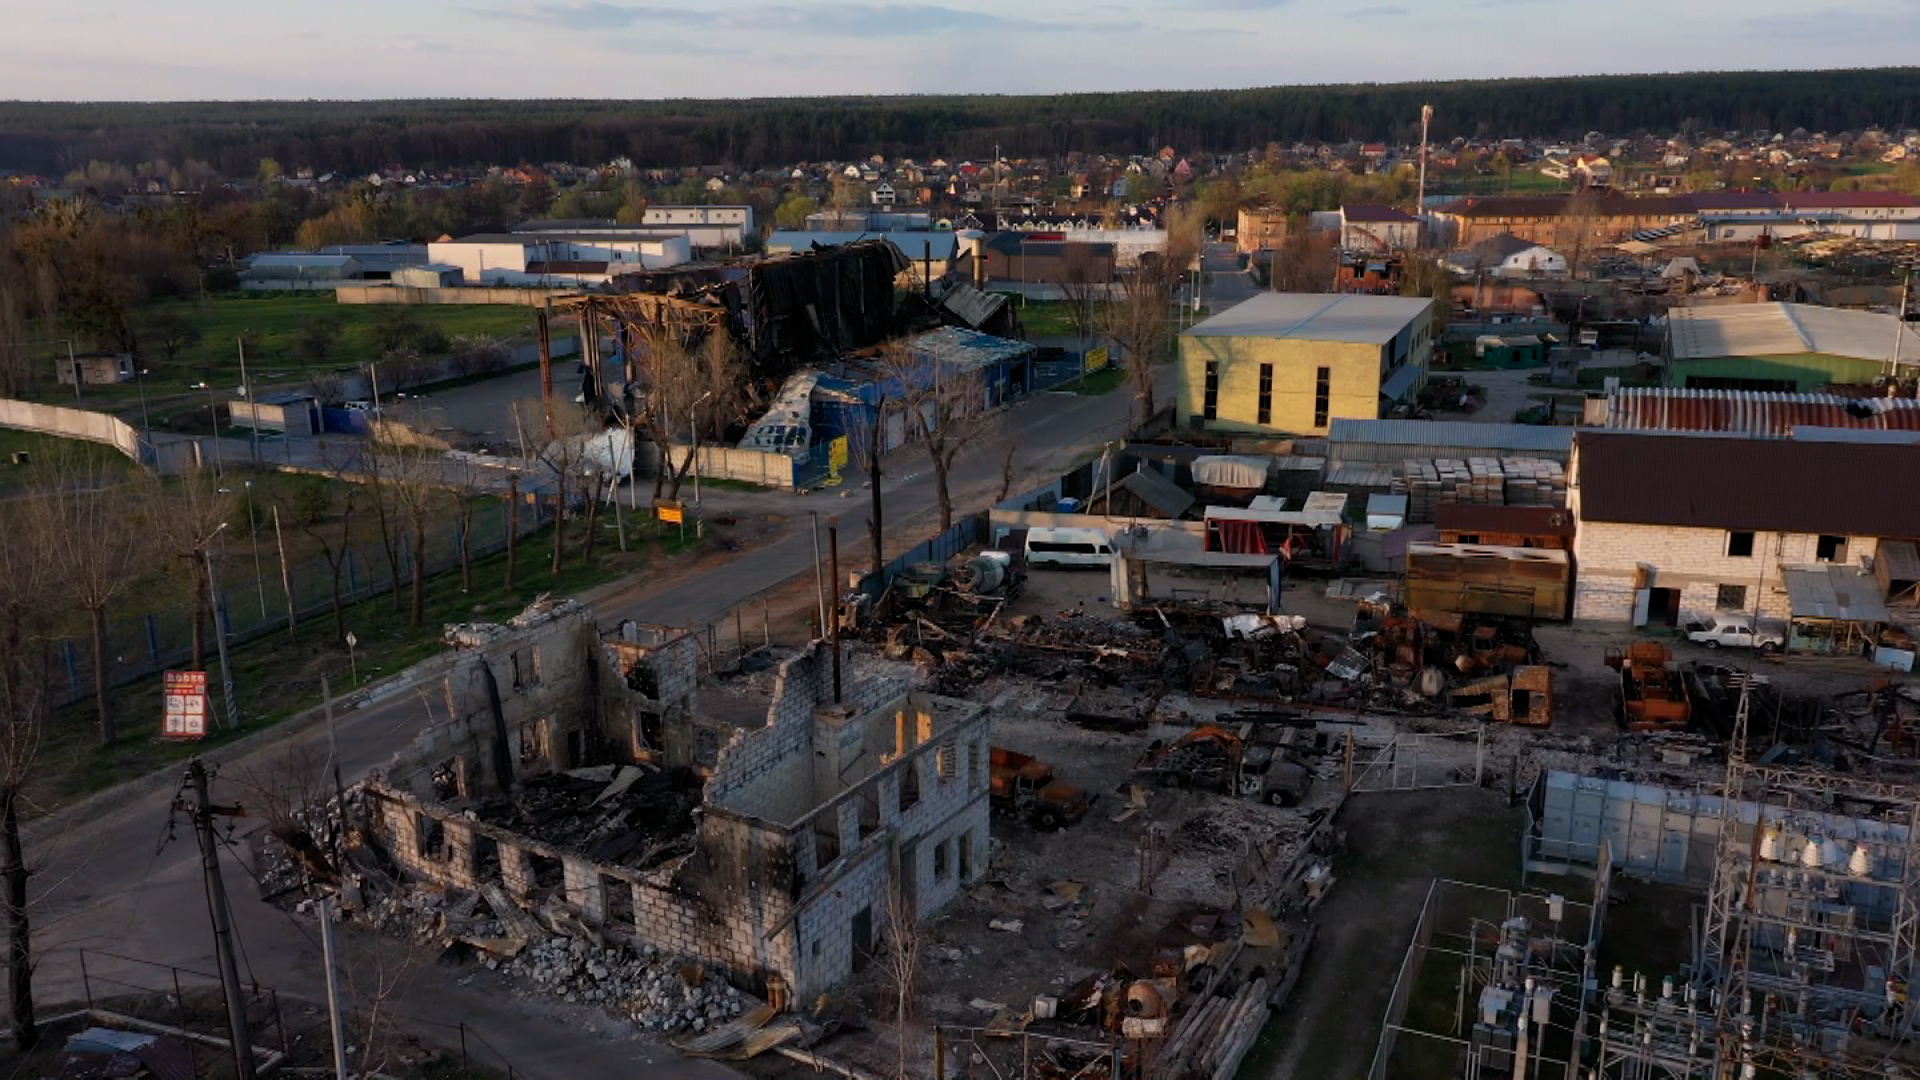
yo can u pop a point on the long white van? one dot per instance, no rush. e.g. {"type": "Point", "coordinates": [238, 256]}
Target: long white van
{"type": "Point", "coordinates": [1069, 547]}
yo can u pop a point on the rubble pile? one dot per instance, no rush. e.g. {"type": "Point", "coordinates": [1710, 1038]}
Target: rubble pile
{"type": "Point", "coordinates": [655, 991]}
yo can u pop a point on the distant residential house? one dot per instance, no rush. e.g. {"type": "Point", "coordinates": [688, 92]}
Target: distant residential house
{"type": "Point", "coordinates": [882, 195]}
{"type": "Point", "coordinates": [1509, 256]}
{"type": "Point", "coordinates": [1378, 228]}
{"type": "Point", "coordinates": [1260, 228]}
{"type": "Point", "coordinates": [1579, 219]}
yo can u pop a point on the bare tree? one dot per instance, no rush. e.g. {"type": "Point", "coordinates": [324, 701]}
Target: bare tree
{"type": "Point", "coordinates": [335, 548]}
{"type": "Point", "coordinates": [105, 552]}
{"type": "Point", "coordinates": [947, 407]}
{"type": "Point", "coordinates": [30, 595]}
{"type": "Point", "coordinates": [412, 476]}
{"type": "Point", "coordinates": [466, 486]}
{"type": "Point", "coordinates": [900, 965]}
{"type": "Point", "coordinates": [566, 458]}
{"type": "Point", "coordinates": [701, 388]}
{"type": "Point", "coordinates": [1081, 300]}
{"type": "Point", "coordinates": [1137, 321]}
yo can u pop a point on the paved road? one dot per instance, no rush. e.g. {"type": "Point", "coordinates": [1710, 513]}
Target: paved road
{"type": "Point", "coordinates": [107, 889]}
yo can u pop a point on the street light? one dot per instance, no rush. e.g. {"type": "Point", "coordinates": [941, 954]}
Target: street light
{"type": "Point", "coordinates": [253, 530]}
{"type": "Point", "coordinates": [220, 627]}
{"type": "Point", "coordinates": [696, 453]}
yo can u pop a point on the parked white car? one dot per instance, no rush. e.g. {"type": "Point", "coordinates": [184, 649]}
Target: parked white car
{"type": "Point", "coordinates": [1738, 632]}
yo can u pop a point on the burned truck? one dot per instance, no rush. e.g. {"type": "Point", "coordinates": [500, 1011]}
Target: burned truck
{"type": "Point", "coordinates": [1025, 787]}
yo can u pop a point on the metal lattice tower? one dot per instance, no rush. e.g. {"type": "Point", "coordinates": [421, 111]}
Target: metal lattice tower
{"type": "Point", "coordinates": [1811, 919]}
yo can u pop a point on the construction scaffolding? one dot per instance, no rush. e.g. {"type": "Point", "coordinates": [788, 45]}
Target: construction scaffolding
{"type": "Point", "coordinates": [1809, 939]}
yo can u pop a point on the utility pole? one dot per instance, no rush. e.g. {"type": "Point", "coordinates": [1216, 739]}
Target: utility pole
{"type": "Point", "coordinates": [819, 584]}
{"type": "Point", "coordinates": [203, 811]}
{"type": "Point", "coordinates": [543, 317]}
{"type": "Point", "coordinates": [73, 365]}
{"type": "Point", "coordinates": [253, 407]}
{"type": "Point", "coordinates": [330, 955]}
{"type": "Point", "coordinates": [833, 550]}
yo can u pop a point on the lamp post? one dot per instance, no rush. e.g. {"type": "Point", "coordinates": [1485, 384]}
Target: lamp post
{"type": "Point", "coordinates": [253, 530]}
{"type": "Point", "coordinates": [696, 450]}
{"type": "Point", "coordinates": [220, 627]}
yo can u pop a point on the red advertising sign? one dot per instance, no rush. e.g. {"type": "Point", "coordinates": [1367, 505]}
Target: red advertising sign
{"type": "Point", "coordinates": [186, 697]}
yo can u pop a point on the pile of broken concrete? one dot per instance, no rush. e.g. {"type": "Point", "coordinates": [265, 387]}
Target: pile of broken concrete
{"type": "Point", "coordinates": [654, 990]}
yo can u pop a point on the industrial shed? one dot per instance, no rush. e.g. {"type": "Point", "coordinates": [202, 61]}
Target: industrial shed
{"type": "Point", "coordinates": [1389, 442]}
{"type": "Point", "coordinates": [1784, 347]}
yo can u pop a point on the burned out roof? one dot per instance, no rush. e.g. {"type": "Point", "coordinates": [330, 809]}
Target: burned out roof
{"type": "Point", "coordinates": [1716, 482]}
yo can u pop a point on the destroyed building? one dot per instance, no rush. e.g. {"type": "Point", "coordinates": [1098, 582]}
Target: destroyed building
{"type": "Point", "coordinates": [563, 782]}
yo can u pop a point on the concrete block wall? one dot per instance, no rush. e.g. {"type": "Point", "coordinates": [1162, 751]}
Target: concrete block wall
{"type": "Point", "coordinates": [759, 771]}
{"type": "Point", "coordinates": [826, 947]}
{"type": "Point", "coordinates": [1609, 555]}
{"type": "Point", "coordinates": [730, 904]}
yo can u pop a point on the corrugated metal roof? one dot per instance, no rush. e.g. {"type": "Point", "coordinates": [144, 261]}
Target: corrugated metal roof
{"type": "Point", "coordinates": [1780, 485]}
{"type": "Point", "coordinates": [1834, 592]}
{"type": "Point", "coordinates": [1464, 434]}
{"type": "Point", "coordinates": [1779, 329]}
{"type": "Point", "coordinates": [1900, 559]}
{"type": "Point", "coordinates": [1806, 433]}
{"type": "Point", "coordinates": [1345, 317]}
{"type": "Point", "coordinates": [912, 244]}
{"type": "Point", "coordinates": [1756, 413]}
{"type": "Point", "coordinates": [964, 348]}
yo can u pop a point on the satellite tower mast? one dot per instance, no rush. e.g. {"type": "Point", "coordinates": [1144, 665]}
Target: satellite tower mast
{"type": "Point", "coordinates": [1420, 200]}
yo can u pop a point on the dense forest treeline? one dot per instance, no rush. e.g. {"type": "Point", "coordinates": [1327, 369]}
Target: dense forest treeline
{"type": "Point", "coordinates": [360, 136]}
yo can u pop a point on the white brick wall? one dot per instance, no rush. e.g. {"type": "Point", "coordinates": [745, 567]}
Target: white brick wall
{"type": "Point", "coordinates": [1608, 556]}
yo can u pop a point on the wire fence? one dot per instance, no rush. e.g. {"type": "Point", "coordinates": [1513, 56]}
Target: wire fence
{"type": "Point", "coordinates": [254, 593]}
{"type": "Point", "coordinates": [192, 1001]}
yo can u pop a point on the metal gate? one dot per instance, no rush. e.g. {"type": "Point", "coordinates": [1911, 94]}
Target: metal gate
{"type": "Point", "coordinates": [1417, 761]}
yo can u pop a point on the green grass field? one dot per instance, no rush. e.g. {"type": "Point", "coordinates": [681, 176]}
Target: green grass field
{"type": "Point", "coordinates": [1524, 181]}
{"type": "Point", "coordinates": [276, 319]}
{"type": "Point", "coordinates": [278, 676]}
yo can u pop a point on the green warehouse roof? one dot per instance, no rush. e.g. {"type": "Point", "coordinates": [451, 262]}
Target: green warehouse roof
{"type": "Point", "coordinates": [1779, 329]}
{"type": "Point", "coordinates": [1344, 317]}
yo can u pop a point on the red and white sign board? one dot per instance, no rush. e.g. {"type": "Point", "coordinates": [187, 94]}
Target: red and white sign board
{"type": "Point", "coordinates": [186, 715]}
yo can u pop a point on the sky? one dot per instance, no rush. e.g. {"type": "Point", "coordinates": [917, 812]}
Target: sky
{"type": "Point", "coordinates": [198, 49]}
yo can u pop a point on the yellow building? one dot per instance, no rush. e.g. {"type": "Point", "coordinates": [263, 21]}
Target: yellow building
{"type": "Point", "coordinates": [1294, 362]}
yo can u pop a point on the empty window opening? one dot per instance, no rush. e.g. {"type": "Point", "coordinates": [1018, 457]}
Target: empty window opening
{"type": "Point", "coordinates": [616, 898]}
{"type": "Point", "coordinates": [1210, 405]}
{"type": "Point", "coordinates": [1265, 415]}
{"type": "Point", "coordinates": [1740, 545]}
{"type": "Point", "coordinates": [965, 844]}
{"type": "Point", "coordinates": [1830, 549]}
{"type": "Point", "coordinates": [548, 872]}
{"type": "Point", "coordinates": [909, 786]}
{"type": "Point", "coordinates": [429, 836]}
{"type": "Point", "coordinates": [941, 865]}
{"type": "Point", "coordinates": [486, 858]}
{"type": "Point", "coordinates": [861, 931]}
{"type": "Point", "coordinates": [1322, 396]}
{"type": "Point", "coordinates": [826, 841]}
{"type": "Point", "coordinates": [526, 667]}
